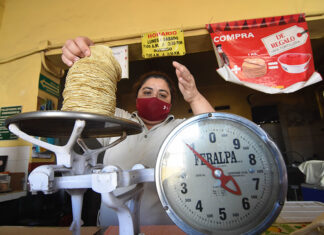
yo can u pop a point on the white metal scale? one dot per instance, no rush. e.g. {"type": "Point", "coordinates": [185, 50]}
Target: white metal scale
{"type": "Point", "coordinates": [216, 173]}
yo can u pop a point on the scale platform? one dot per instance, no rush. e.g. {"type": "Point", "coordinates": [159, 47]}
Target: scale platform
{"type": "Point", "coordinates": [56, 124]}
{"type": "Point", "coordinates": [79, 172]}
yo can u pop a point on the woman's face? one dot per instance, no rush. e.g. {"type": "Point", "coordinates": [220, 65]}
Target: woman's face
{"type": "Point", "coordinates": [155, 87]}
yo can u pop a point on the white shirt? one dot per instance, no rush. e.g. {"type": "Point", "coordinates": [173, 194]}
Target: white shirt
{"type": "Point", "coordinates": [143, 149]}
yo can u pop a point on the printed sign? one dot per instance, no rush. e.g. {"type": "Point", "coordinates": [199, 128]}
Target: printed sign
{"type": "Point", "coordinates": [48, 86]}
{"type": "Point", "coordinates": [121, 55]}
{"type": "Point", "coordinates": [272, 55]}
{"type": "Point", "coordinates": [6, 112]}
{"type": "Point", "coordinates": [163, 43]}
{"type": "Point", "coordinates": [285, 40]}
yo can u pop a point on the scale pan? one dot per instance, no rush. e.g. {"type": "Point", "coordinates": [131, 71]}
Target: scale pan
{"type": "Point", "coordinates": [60, 124]}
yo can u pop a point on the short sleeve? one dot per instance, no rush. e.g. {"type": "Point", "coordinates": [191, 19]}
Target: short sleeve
{"type": "Point", "coordinates": [120, 113]}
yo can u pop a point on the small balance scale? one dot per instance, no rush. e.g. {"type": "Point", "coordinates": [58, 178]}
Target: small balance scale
{"type": "Point", "coordinates": [216, 173]}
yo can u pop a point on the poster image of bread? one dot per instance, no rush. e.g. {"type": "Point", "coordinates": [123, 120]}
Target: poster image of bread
{"type": "Point", "coordinates": [272, 55]}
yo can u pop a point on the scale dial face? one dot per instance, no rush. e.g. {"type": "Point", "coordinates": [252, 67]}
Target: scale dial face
{"type": "Point", "coordinates": [219, 173]}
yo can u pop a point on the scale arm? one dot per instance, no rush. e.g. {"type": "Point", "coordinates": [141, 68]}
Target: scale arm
{"type": "Point", "coordinates": [127, 178]}
{"type": "Point", "coordinates": [15, 129]}
{"type": "Point", "coordinates": [63, 155]}
{"type": "Point", "coordinates": [76, 133]}
{"type": "Point", "coordinates": [85, 148]}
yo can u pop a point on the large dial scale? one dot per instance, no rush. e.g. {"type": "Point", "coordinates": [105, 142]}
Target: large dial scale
{"type": "Point", "coordinates": [219, 173]}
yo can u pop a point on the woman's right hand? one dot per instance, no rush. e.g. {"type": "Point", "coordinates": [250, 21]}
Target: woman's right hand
{"type": "Point", "coordinates": [74, 49]}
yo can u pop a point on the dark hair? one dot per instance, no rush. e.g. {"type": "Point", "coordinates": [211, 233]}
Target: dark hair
{"type": "Point", "coordinates": [156, 74]}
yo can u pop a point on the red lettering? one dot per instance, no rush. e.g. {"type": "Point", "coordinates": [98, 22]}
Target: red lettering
{"type": "Point", "coordinates": [279, 36]}
{"type": "Point", "coordinates": [283, 42]}
{"type": "Point", "coordinates": [154, 35]}
{"type": "Point", "coordinates": [151, 35]}
{"type": "Point", "coordinates": [274, 45]}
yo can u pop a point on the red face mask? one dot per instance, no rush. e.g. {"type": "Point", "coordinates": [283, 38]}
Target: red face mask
{"type": "Point", "coordinates": [152, 108]}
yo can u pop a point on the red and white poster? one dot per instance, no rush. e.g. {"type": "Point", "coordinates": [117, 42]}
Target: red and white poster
{"type": "Point", "coordinates": [272, 55]}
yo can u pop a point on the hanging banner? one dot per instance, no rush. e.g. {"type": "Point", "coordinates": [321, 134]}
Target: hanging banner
{"type": "Point", "coordinates": [163, 43]}
{"type": "Point", "coordinates": [272, 55]}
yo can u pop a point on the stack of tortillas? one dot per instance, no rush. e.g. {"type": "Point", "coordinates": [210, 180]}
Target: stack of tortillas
{"type": "Point", "coordinates": [91, 83]}
{"type": "Point", "coordinates": [254, 67]}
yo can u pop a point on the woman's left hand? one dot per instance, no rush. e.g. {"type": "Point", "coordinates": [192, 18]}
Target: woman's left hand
{"type": "Point", "coordinates": [186, 82]}
{"type": "Point", "coordinates": [198, 103]}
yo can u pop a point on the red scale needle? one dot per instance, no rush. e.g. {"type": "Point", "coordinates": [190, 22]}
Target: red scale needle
{"type": "Point", "coordinates": [218, 173]}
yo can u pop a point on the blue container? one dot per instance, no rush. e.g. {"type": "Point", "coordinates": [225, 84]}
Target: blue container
{"type": "Point", "coordinates": [312, 192]}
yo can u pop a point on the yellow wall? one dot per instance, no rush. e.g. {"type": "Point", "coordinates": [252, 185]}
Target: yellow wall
{"type": "Point", "coordinates": [18, 84]}
{"type": "Point", "coordinates": [39, 24]}
{"type": "Point", "coordinates": [2, 4]}
{"type": "Point", "coordinates": [19, 87]}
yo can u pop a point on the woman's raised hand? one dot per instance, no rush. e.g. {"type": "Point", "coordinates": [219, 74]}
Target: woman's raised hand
{"type": "Point", "coordinates": [187, 86]}
{"type": "Point", "coordinates": [74, 49]}
{"type": "Point", "coordinates": [186, 82]}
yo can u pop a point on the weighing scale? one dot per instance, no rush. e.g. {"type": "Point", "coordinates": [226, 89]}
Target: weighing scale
{"type": "Point", "coordinates": [216, 173]}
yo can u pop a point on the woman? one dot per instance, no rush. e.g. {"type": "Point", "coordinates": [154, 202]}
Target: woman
{"type": "Point", "coordinates": [154, 98]}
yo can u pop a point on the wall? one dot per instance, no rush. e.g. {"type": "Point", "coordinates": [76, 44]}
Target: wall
{"type": "Point", "coordinates": [19, 86]}
{"type": "Point", "coordinates": [18, 157]}
{"type": "Point", "coordinates": [38, 25]}
{"type": "Point", "coordinates": [2, 5]}
{"type": "Point", "coordinates": [304, 130]}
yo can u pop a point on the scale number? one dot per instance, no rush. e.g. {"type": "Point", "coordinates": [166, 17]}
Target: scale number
{"type": "Point", "coordinates": [199, 206]}
{"type": "Point", "coordinates": [222, 214]}
{"type": "Point", "coordinates": [184, 189]}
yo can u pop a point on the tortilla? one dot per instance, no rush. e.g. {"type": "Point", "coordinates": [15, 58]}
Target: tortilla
{"type": "Point", "coordinates": [91, 83]}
